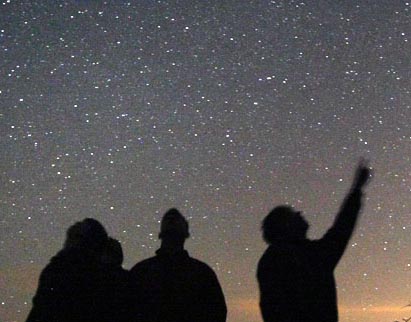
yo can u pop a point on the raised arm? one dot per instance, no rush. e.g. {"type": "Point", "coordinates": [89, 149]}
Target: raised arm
{"type": "Point", "coordinates": [336, 239]}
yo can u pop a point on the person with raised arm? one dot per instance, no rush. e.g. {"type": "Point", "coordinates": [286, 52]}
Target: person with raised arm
{"type": "Point", "coordinates": [295, 274]}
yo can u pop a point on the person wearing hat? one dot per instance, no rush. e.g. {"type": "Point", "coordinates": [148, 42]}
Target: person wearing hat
{"type": "Point", "coordinates": [172, 286]}
{"type": "Point", "coordinates": [295, 274]}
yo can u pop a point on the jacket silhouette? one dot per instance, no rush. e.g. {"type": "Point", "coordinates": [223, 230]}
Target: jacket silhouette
{"type": "Point", "coordinates": [114, 297]}
{"type": "Point", "coordinates": [295, 274]}
{"type": "Point", "coordinates": [68, 289]}
{"type": "Point", "coordinates": [172, 286]}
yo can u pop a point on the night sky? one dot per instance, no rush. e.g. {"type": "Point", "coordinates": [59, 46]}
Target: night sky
{"type": "Point", "coordinates": [224, 109]}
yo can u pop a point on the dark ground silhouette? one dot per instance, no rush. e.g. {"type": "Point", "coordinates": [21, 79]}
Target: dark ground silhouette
{"type": "Point", "coordinates": [295, 274]}
{"type": "Point", "coordinates": [174, 287]}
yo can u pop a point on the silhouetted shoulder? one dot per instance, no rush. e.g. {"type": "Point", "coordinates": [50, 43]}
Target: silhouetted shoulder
{"type": "Point", "coordinates": [158, 261]}
{"type": "Point", "coordinates": [203, 268]}
{"type": "Point", "coordinates": [144, 264]}
{"type": "Point", "coordinates": [200, 265]}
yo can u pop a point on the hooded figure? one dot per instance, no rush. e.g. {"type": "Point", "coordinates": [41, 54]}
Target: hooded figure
{"type": "Point", "coordinates": [69, 285]}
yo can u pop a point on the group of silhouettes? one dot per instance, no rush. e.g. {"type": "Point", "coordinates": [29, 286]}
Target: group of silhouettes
{"type": "Point", "coordinates": [85, 281]}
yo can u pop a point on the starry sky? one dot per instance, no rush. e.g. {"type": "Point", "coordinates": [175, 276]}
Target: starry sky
{"type": "Point", "coordinates": [119, 110]}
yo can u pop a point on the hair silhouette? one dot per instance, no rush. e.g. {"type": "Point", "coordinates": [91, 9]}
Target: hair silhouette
{"type": "Point", "coordinates": [283, 222]}
{"type": "Point", "coordinates": [88, 235]}
{"type": "Point", "coordinates": [112, 254]}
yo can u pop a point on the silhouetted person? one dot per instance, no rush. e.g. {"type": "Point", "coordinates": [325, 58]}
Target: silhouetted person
{"type": "Point", "coordinates": [114, 292]}
{"type": "Point", "coordinates": [173, 286]}
{"type": "Point", "coordinates": [69, 284]}
{"type": "Point", "coordinates": [295, 274]}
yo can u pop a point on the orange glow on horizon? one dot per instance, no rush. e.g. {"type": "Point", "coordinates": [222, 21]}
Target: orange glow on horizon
{"type": "Point", "coordinates": [240, 307]}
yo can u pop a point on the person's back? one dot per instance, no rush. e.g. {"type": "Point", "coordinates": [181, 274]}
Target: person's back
{"type": "Point", "coordinates": [113, 296]}
{"type": "Point", "coordinates": [295, 274]}
{"type": "Point", "coordinates": [172, 286]}
{"type": "Point", "coordinates": [178, 288]}
{"type": "Point", "coordinates": [297, 283]}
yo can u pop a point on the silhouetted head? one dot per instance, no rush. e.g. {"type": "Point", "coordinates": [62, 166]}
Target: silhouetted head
{"type": "Point", "coordinates": [174, 226]}
{"type": "Point", "coordinates": [112, 253]}
{"type": "Point", "coordinates": [87, 234]}
{"type": "Point", "coordinates": [284, 223]}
